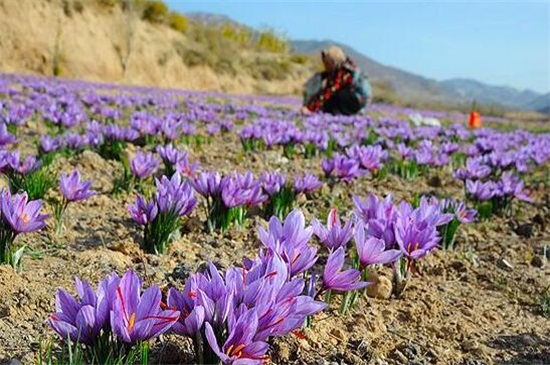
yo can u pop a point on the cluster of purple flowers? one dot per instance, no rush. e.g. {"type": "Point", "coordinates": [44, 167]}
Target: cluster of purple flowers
{"type": "Point", "coordinates": [117, 311]}
{"type": "Point", "coordinates": [231, 316]}
{"type": "Point", "coordinates": [161, 215]}
{"type": "Point", "coordinates": [282, 193]}
{"type": "Point", "coordinates": [176, 160]}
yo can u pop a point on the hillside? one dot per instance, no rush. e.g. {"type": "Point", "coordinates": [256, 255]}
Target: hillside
{"type": "Point", "coordinates": [97, 40]}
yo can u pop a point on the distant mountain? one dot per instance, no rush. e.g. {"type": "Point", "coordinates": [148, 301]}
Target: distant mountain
{"type": "Point", "coordinates": [540, 104]}
{"type": "Point", "coordinates": [405, 84]}
{"type": "Point", "coordinates": [210, 18]}
{"type": "Point", "coordinates": [488, 94]}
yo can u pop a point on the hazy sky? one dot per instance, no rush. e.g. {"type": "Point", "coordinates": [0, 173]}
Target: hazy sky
{"type": "Point", "coordinates": [496, 42]}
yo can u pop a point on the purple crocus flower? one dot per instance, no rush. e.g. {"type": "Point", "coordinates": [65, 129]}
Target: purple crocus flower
{"type": "Point", "coordinates": [49, 144]}
{"type": "Point", "coordinates": [423, 156]}
{"type": "Point", "coordinates": [429, 211]}
{"type": "Point", "coordinates": [372, 250]}
{"type": "Point", "coordinates": [378, 216]}
{"type": "Point", "coordinates": [208, 183]}
{"type": "Point", "coordinates": [23, 216]}
{"type": "Point", "coordinates": [138, 317]}
{"type": "Point", "coordinates": [73, 189]}
{"type": "Point", "coordinates": [343, 167]}
{"type": "Point", "coordinates": [242, 190]}
{"type": "Point", "coordinates": [405, 152]}
{"type": "Point", "coordinates": [510, 185]}
{"type": "Point", "coordinates": [333, 235]}
{"type": "Point", "coordinates": [337, 280]}
{"type": "Point", "coordinates": [459, 210]}
{"type": "Point", "coordinates": [370, 157]}
{"type": "Point", "coordinates": [272, 182]}
{"type": "Point", "coordinates": [415, 239]}
{"type": "Point", "coordinates": [290, 240]}
{"type": "Point", "coordinates": [5, 137]}
{"type": "Point", "coordinates": [170, 155]}
{"type": "Point", "coordinates": [174, 195]}
{"type": "Point", "coordinates": [83, 320]}
{"type": "Point", "coordinates": [29, 165]}
{"type": "Point", "coordinates": [240, 347]}
{"type": "Point", "coordinates": [192, 314]}
{"type": "Point", "coordinates": [306, 184]}
{"type": "Point", "coordinates": [479, 190]}
{"type": "Point", "coordinates": [327, 166]}
{"type": "Point", "coordinates": [144, 165]}
{"type": "Point", "coordinates": [474, 170]}
{"type": "Point", "coordinates": [143, 212]}
{"type": "Point", "coordinates": [186, 168]}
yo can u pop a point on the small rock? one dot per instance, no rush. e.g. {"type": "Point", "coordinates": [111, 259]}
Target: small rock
{"type": "Point", "coordinates": [12, 362]}
{"type": "Point", "coordinates": [470, 345]}
{"type": "Point", "coordinates": [193, 224]}
{"type": "Point", "coordinates": [400, 357]}
{"type": "Point", "coordinates": [435, 182]}
{"type": "Point", "coordinates": [538, 261]}
{"type": "Point", "coordinates": [182, 271]}
{"type": "Point", "coordinates": [504, 265]}
{"type": "Point", "coordinates": [525, 230]}
{"type": "Point", "coordinates": [381, 288]}
{"type": "Point", "coordinates": [474, 362]}
{"type": "Point", "coordinates": [528, 340]}
{"type": "Point", "coordinates": [339, 334]}
{"type": "Point", "coordinates": [5, 311]}
{"type": "Point", "coordinates": [537, 219]}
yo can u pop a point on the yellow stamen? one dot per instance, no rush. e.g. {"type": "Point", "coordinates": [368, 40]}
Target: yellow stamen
{"type": "Point", "coordinates": [132, 321]}
{"type": "Point", "coordinates": [25, 218]}
{"type": "Point", "coordinates": [237, 351]}
{"type": "Point", "coordinates": [228, 352]}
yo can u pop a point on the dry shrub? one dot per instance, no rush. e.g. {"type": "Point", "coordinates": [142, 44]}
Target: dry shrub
{"type": "Point", "coordinates": [270, 41]}
{"type": "Point", "coordinates": [178, 22]}
{"type": "Point", "coordinates": [78, 6]}
{"type": "Point", "coordinates": [300, 59]}
{"type": "Point", "coordinates": [270, 69]}
{"type": "Point", "coordinates": [155, 12]}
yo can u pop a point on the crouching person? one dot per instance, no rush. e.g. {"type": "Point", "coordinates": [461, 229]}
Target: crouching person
{"type": "Point", "coordinates": [341, 89]}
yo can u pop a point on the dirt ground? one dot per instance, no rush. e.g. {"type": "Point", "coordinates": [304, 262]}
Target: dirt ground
{"type": "Point", "coordinates": [480, 304]}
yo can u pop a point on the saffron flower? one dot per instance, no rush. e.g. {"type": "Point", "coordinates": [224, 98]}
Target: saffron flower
{"type": "Point", "coordinates": [82, 320]}
{"type": "Point", "coordinates": [415, 239]}
{"type": "Point", "coordinates": [335, 279]}
{"type": "Point", "coordinates": [240, 347]}
{"type": "Point", "coordinates": [17, 215]}
{"type": "Point", "coordinates": [73, 189]}
{"type": "Point", "coordinates": [144, 165]}
{"type": "Point", "coordinates": [22, 215]}
{"type": "Point", "coordinates": [138, 317]}
{"type": "Point", "coordinates": [306, 184]}
{"type": "Point", "coordinates": [334, 235]}
{"type": "Point", "coordinates": [372, 250]}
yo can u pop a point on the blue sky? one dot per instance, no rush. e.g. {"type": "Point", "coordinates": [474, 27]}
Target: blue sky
{"type": "Point", "coordinates": [505, 43]}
